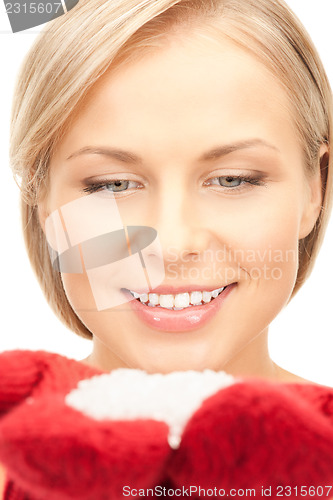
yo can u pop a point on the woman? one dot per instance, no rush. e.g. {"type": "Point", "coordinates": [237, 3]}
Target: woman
{"type": "Point", "coordinates": [191, 234]}
{"type": "Point", "coordinates": [192, 136]}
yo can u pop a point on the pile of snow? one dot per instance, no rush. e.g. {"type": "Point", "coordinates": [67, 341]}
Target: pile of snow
{"type": "Point", "coordinates": [126, 394]}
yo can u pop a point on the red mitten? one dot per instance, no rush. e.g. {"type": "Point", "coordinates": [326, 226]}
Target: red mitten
{"type": "Point", "coordinates": [55, 452]}
{"type": "Point", "coordinates": [20, 372]}
{"type": "Point", "coordinates": [258, 434]}
{"type": "Point", "coordinates": [25, 373]}
{"type": "Point", "coordinates": [52, 451]}
{"type": "Point", "coordinates": [183, 429]}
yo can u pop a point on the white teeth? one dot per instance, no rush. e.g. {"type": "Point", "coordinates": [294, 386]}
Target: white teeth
{"type": "Point", "coordinates": [144, 297]}
{"type": "Point", "coordinates": [182, 300]}
{"type": "Point", "coordinates": [153, 298]}
{"type": "Point", "coordinates": [167, 301]}
{"type": "Point", "coordinates": [206, 296]}
{"type": "Point", "coordinates": [217, 291]}
{"type": "Point", "coordinates": [196, 298]}
{"type": "Point", "coordinates": [178, 301]}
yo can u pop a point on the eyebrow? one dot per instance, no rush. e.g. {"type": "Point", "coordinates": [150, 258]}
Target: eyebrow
{"type": "Point", "coordinates": [226, 149]}
{"type": "Point", "coordinates": [213, 154]}
{"type": "Point", "coordinates": [117, 154]}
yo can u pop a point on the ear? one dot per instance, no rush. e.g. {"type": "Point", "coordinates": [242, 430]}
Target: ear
{"type": "Point", "coordinates": [314, 199]}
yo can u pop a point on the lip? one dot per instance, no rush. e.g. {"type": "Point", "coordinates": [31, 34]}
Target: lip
{"type": "Point", "coordinates": [167, 289]}
{"type": "Point", "coordinates": [184, 320]}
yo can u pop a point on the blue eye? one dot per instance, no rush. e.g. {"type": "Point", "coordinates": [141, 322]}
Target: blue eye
{"type": "Point", "coordinates": [116, 186]}
{"type": "Point", "coordinates": [230, 182]}
{"type": "Point", "coordinates": [235, 182]}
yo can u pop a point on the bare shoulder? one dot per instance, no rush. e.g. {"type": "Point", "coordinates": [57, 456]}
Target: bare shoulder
{"type": "Point", "coordinates": [288, 377]}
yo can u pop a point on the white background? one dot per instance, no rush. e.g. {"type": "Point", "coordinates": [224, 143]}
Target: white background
{"type": "Point", "coordinates": [301, 338]}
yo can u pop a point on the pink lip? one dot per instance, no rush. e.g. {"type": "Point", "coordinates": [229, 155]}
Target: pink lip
{"type": "Point", "coordinates": [178, 321]}
{"type": "Point", "coordinates": [165, 289]}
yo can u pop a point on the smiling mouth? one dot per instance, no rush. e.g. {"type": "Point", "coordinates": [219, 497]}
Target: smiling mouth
{"type": "Point", "coordinates": [178, 301]}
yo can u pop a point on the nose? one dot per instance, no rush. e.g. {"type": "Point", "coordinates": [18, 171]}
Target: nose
{"type": "Point", "coordinates": [181, 228]}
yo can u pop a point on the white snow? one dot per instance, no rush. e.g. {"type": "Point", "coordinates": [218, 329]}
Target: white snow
{"type": "Point", "coordinates": [128, 394]}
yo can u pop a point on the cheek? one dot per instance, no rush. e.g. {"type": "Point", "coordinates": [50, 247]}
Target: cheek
{"type": "Point", "coordinates": [78, 292]}
{"type": "Point", "coordinates": [262, 244]}
{"type": "Point", "coordinates": [81, 298]}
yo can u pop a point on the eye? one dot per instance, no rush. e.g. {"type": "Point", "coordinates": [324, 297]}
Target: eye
{"type": "Point", "coordinates": [235, 182]}
{"type": "Point", "coordinates": [229, 181]}
{"type": "Point", "coordinates": [116, 186]}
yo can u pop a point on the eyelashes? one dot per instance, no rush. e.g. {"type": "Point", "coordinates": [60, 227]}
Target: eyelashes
{"type": "Point", "coordinates": [225, 183]}
{"type": "Point", "coordinates": [119, 185]}
{"type": "Point", "coordinates": [236, 182]}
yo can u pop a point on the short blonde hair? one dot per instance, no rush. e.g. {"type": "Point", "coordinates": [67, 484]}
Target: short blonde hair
{"type": "Point", "coordinates": [76, 49]}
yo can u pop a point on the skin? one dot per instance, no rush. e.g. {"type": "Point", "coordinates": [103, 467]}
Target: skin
{"type": "Point", "coordinates": [170, 108]}
{"type": "Point", "coordinates": [2, 481]}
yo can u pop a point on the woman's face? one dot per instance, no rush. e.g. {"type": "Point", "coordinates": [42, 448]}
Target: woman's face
{"type": "Point", "coordinates": [216, 168]}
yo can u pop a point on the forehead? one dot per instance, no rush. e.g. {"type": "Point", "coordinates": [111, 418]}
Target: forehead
{"type": "Point", "coordinates": [192, 91]}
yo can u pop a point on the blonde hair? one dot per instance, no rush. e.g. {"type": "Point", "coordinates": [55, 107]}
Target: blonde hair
{"type": "Point", "coordinates": [76, 49]}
